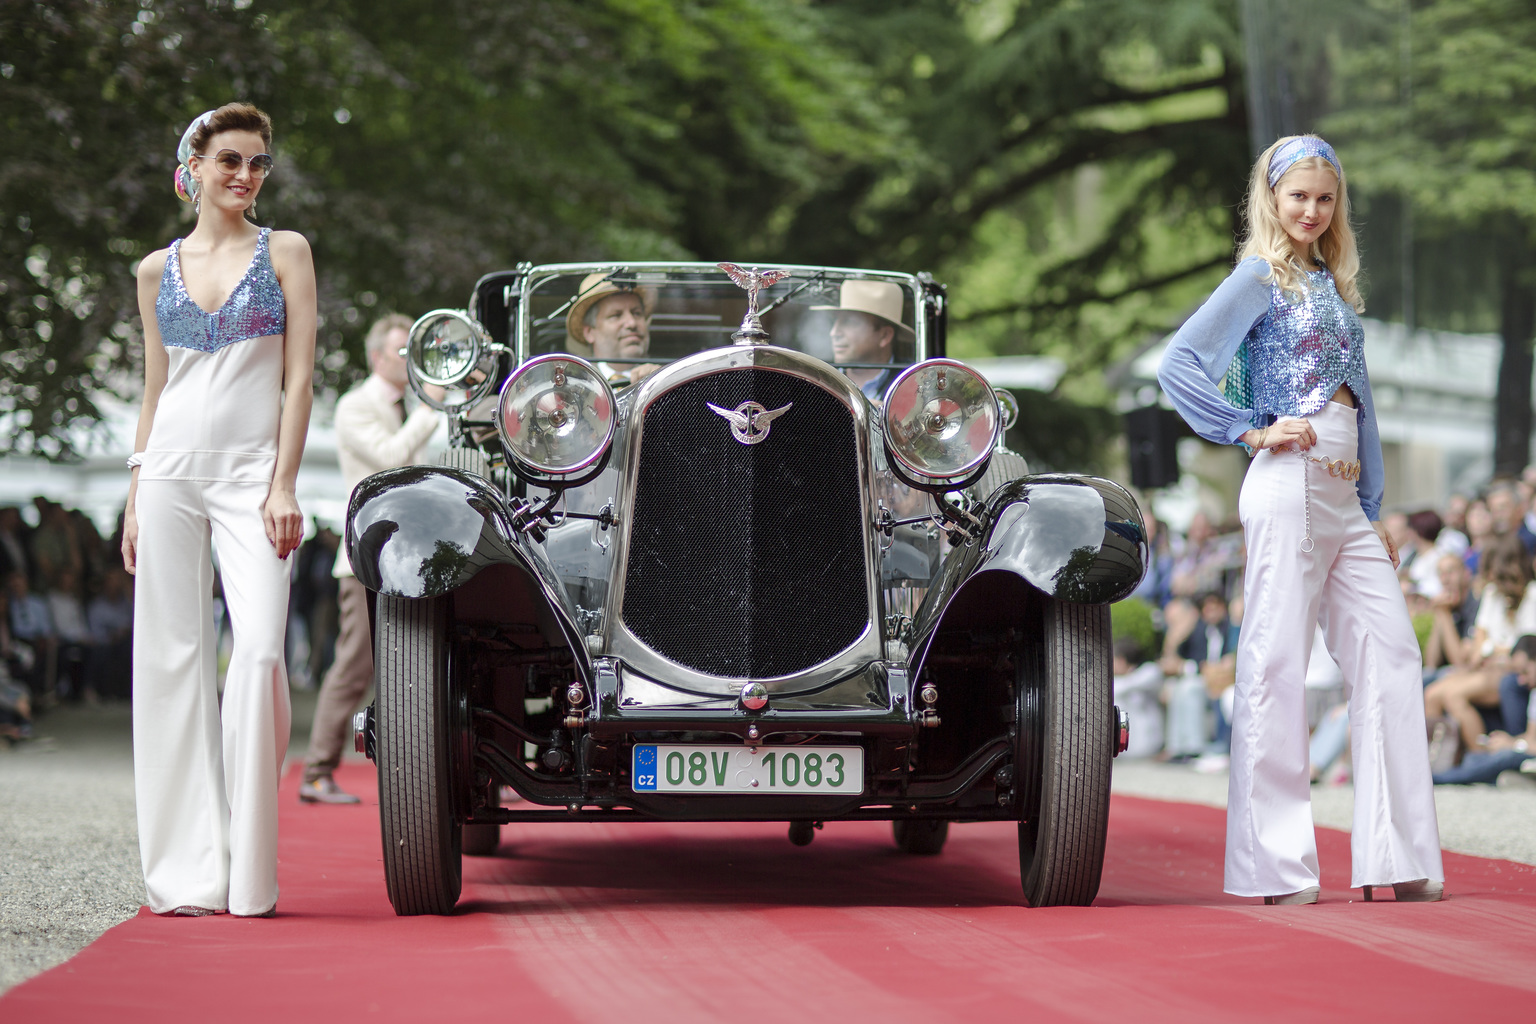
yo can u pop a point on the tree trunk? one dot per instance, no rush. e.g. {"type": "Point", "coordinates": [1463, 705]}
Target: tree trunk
{"type": "Point", "coordinates": [1512, 406]}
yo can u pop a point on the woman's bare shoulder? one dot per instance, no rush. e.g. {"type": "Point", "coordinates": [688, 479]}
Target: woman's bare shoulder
{"type": "Point", "coordinates": [288, 245]}
{"type": "Point", "coordinates": [152, 267]}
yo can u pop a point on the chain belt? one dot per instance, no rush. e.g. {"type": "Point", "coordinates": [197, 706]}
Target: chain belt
{"type": "Point", "coordinates": [1336, 468]}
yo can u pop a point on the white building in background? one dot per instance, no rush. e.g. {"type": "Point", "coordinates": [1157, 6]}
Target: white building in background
{"type": "Point", "coordinates": [1434, 396]}
{"type": "Point", "coordinates": [98, 484]}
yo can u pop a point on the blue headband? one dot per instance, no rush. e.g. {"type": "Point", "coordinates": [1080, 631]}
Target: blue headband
{"type": "Point", "coordinates": [1298, 149]}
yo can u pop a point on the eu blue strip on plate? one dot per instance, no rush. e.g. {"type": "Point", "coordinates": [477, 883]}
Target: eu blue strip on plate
{"type": "Point", "coordinates": [645, 767]}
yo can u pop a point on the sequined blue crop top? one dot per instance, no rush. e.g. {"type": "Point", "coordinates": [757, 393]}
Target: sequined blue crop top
{"type": "Point", "coordinates": [1296, 352]}
{"type": "Point", "coordinates": [255, 309]}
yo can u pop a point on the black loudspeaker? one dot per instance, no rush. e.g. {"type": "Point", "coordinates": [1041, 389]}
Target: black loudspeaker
{"type": "Point", "coordinates": [1152, 435]}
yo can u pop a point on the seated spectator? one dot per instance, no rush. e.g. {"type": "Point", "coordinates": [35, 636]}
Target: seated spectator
{"type": "Point", "coordinates": [1509, 748]}
{"type": "Point", "coordinates": [32, 626]}
{"type": "Point", "coordinates": [1433, 542]}
{"type": "Point", "coordinates": [1137, 688]}
{"type": "Point", "coordinates": [1450, 644]}
{"type": "Point", "coordinates": [1204, 559]}
{"type": "Point", "coordinates": [1479, 534]}
{"type": "Point", "coordinates": [109, 662]}
{"type": "Point", "coordinates": [1506, 612]}
{"type": "Point", "coordinates": [71, 634]}
{"type": "Point", "coordinates": [15, 709]}
{"type": "Point", "coordinates": [1507, 507]}
{"type": "Point", "coordinates": [1156, 587]}
{"type": "Point", "coordinates": [1205, 662]}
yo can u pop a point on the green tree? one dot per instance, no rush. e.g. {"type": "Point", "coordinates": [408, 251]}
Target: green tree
{"type": "Point", "coordinates": [419, 146]}
{"type": "Point", "coordinates": [1439, 111]}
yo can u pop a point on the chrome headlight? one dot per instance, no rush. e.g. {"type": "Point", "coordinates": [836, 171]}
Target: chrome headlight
{"type": "Point", "coordinates": [556, 415]}
{"type": "Point", "coordinates": [941, 420]}
{"type": "Point", "coordinates": [448, 349]}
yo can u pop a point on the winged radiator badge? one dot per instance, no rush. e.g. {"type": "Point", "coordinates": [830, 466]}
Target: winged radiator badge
{"type": "Point", "coordinates": [750, 422]}
{"type": "Point", "coordinates": [754, 281]}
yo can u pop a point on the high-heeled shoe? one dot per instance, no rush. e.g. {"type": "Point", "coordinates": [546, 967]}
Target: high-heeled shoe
{"type": "Point", "coordinates": [1305, 896]}
{"type": "Point", "coordinates": [1420, 890]}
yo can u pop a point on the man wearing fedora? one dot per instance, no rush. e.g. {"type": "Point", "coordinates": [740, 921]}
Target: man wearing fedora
{"type": "Point", "coordinates": [612, 322]}
{"type": "Point", "coordinates": [864, 331]}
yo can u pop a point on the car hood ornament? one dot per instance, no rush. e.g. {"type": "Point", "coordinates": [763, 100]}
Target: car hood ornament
{"type": "Point", "coordinates": [750, 422]}
{"type": "Point", "coordinates": [751, 330]}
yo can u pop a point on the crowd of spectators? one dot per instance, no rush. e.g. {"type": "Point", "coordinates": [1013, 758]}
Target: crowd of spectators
{"type": "Point", "coordinates": [1468, 575]}
{"type": "Point", "coordinates": [66, 613]}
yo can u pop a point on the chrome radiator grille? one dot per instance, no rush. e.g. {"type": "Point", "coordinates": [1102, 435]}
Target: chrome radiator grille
{"type": "Point", "coordinates": [747, 560]}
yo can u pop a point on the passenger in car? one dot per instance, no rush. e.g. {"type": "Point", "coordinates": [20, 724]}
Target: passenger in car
{"type": "Point", "coordinates": [865, 330]}
{"type": "Point", "coordinates": [614, 322]}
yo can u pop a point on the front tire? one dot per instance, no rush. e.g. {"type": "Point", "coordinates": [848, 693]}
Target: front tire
{"type": "Point", "coordinates": [422, 853]}
{"type": "Point", "coordinates": [1063, 749]}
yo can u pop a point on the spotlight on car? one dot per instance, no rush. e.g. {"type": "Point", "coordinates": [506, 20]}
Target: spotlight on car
{"type": "Point", "coordinates": [941, 423]}
{"type": "Point", "coordinates": [450, 350]}
{"type": "Point", "coordinates": [556, 416]}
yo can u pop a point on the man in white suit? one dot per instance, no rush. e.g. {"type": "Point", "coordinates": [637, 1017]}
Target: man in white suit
{"type": "Point", "coordinates": [372, 434]}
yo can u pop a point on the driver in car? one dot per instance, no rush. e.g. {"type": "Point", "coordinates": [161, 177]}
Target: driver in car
{"type": "Point", "coordinates": [864, 331]}
{"type": "Point", "coordinates": [614, 322]}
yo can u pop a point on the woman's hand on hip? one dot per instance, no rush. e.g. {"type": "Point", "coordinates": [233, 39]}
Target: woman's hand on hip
{"type": "Point", "coordinates": [130, 540]}
{"type": "Point", "coordinates": [284, 521]}
{"type": "Point", "coordinates": [1289, 432]}
{"type": "Point", "coordinates": [1386, 539]}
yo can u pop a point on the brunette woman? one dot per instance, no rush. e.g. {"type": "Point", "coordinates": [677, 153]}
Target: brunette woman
{"type": "Point", "coordinates": [1283, 332]}
{"type": "Point", "coordinates": [229, 348]}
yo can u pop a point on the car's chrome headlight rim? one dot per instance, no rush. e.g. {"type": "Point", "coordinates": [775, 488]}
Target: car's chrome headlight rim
{"type": "Point", "coordinates": [449, 349]}
{"type": "Point", "coordinates": [941, 420]}
{"type": "Point", "coordinates": [555, 404]}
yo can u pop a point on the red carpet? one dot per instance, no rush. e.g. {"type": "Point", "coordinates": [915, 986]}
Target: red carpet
{"type": "Point", "coordinates": [676, 923]}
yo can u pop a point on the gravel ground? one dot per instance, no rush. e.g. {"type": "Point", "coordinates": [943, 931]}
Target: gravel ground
{"type": "Point", "coordinates": [69, 862]}
{"type": "Point", "coordinates": [1487, 821]}
{"type": "Point", "coordinates": [69, 843]}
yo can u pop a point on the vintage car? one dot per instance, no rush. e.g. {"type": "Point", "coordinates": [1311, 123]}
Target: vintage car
{"type": "Point", "coordinates": [736, 589]}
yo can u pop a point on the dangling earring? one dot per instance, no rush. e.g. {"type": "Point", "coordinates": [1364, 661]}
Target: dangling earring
{"type": "Point", "coordinates": [253, 209]}
{"type": "Point", "coordinates": [197, 202]}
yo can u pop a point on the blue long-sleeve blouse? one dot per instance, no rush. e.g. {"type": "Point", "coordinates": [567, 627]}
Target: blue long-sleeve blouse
{"type": "Point", "coordinates": [1300, 349]}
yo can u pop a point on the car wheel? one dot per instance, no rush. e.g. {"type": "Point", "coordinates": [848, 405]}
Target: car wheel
{"type": "Point", "coordinates": [921, 836]}
{"type": "Point", "coordinates": [1062, 754]}
{"type": "Point", "coordinates": [421, 838]}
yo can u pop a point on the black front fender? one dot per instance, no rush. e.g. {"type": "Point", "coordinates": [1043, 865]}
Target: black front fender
{"type": "Point", "coordinates": [1074, 538]}
{"type": "Point", "coordinates": [424, 531]}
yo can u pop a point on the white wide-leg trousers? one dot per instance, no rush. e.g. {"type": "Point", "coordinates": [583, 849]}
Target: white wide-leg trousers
{"type": "Point", "coordinates": [1346, 584]}
{"type": "Point", "coordinates": [206, 781]}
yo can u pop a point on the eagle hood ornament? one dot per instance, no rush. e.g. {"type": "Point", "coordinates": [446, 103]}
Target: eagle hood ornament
{"type": "Point", "coordinates": [754, 281]}
{"type": "Point", "coordinates": [750, 421]}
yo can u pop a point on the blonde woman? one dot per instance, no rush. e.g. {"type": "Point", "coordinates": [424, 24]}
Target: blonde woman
{"type": "Point", "coordinates": [1283, 334]}
{"type": "Point", "coordinates": [229, 352]}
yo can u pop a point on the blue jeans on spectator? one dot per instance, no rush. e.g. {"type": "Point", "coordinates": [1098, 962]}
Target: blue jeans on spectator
{"type": "Point", "coordinates": [1514, 703]}
{"type": "Point", "coordinates": [1480, 767]}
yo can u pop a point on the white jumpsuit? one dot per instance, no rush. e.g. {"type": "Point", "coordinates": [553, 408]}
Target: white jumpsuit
{"type": "Point", "coordinates": [205, 777]}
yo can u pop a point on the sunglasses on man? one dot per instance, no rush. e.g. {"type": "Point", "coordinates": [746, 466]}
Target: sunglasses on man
{"type": "Point", "coordinates": [230, 162]}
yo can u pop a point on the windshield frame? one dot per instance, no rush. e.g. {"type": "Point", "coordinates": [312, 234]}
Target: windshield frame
{"type": "Point", "coordinates": [536, 276]}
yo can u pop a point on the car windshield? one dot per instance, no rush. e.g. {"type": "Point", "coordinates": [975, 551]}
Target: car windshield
{"type": "Point", "coordinates": [635, 314]}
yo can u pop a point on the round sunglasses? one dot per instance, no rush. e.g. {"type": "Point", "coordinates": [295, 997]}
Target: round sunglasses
{"type": "Point", "coordinates": [230, 162]}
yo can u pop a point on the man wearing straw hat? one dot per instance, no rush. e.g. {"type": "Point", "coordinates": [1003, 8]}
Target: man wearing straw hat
{"type": "Point", "coordinates": [865, 330]}
{"type": "Point", "coordinates": [612, 322]}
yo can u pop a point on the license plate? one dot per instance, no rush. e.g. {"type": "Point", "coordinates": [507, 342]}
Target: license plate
{"type": "Point", "coordinates": [690, 768]}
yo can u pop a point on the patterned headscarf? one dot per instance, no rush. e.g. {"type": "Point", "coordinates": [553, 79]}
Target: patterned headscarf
{"type": "Point", "coordinates": [1300, 148]}
{"type": "Point", "coordinates": [186, 185]}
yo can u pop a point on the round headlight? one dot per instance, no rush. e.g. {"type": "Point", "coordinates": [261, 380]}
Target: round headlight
{"type": "Point", "coordinates": [941, 419]}
{"type": "Point", "coordinates": [556, 415]}
{"type": "Point", "coordinates": [444, 348]}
